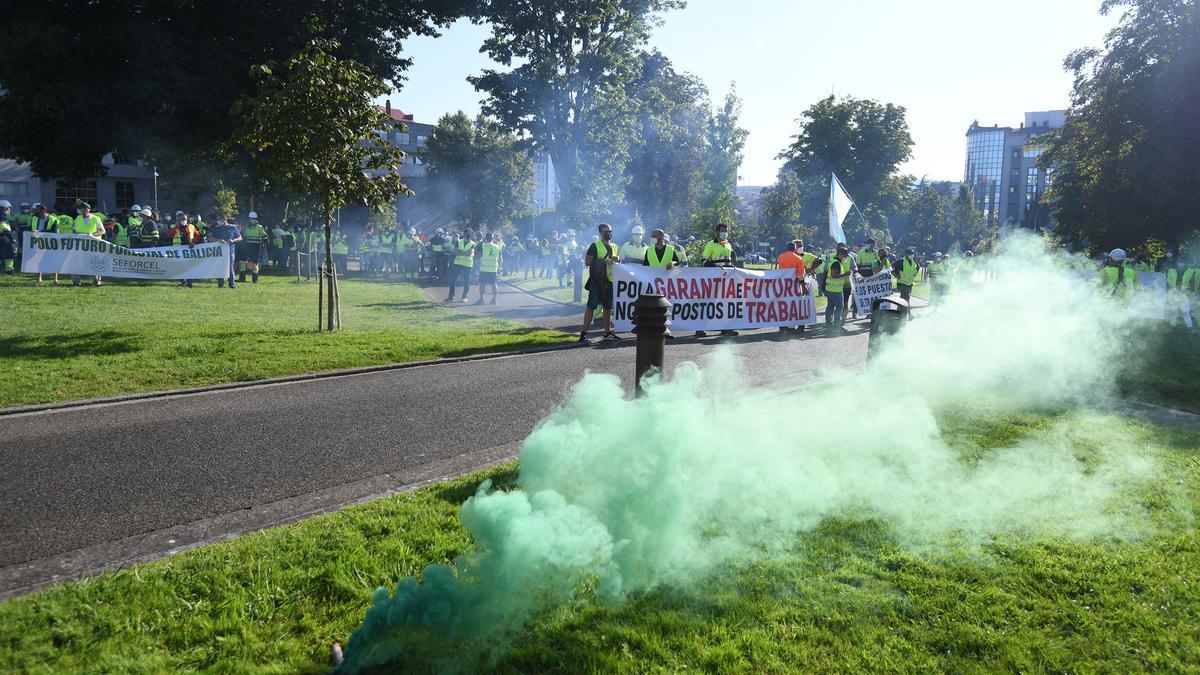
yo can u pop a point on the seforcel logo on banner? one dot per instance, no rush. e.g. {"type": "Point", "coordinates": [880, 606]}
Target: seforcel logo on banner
{"type": "Point", "coordinates": [83, 254]}
{"type": "Point", "coordinates": [871, 289]}
{"type": "Point", "coordinates": [714, 298]}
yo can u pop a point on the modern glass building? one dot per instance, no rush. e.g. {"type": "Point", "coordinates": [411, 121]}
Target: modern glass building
{"type": "Point", "coordinates": [1002, 169]}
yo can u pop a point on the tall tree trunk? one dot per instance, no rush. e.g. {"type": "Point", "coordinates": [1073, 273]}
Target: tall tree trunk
{"type": "Point", "coordinates": [329, 308]}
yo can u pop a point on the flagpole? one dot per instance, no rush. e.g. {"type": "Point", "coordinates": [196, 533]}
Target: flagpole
{"type": "Point", "coordinates": [155, 170]}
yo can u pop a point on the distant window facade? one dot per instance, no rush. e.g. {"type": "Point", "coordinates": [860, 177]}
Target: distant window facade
{"type": "Point", "coordinates": [125, 194]}
{"type": "Point", "coordinates": [984, 170]}
{"type": "Point", "coordinates": [402, 138]}
{"type": "Point", "coordinates": [67, 193]}
{"type": "Point", "coordinates": [14, 188]}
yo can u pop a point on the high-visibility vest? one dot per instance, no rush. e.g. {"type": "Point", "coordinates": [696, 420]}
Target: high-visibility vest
{"type": "Point", "coordinates": [121, 237]}
{"type": "Point", "coordinates": [490, 262]}
{"type": "Point", "coordinates": [1117, 280]}
{"type": "Point", "coordinates": [134, 223]}
{"type": "Point", "coordinates": [255, 233]}
{"type": "Point", "coordinates": [833, 285]}
{"type": "Point", "coordinates": [387, 242]}
{"type": "Point", "coordinates": [463, 252]}
{"type": "Point", "coordinates": [189, 231]}
{"type": "Point", "coordinates": [668, 256]}
{"type": "Point", "coordinates": [403, 242]}
{"type": "Point", "coordinates": [717, 250]}
{"type": "Point", "coordinates": [632, 251]}
{"type": "Point", "coordinates": [364, 245]}
{"type": "Point", "coordinates": [908, 271]}
{"type": "Point", "coordinates": [340, 245]}
{"type": "Point", "coordinates": [88, 225]}
{"type": "Point", "coordinates": [1191, 279]}
{"type": "Point", "coordinates": [609, 250]}
{"type": "Point", "coordinates": [276, 238]}
{"type": "Point", "coordinates": [50, 224]}
{"type": "Point", "coordinates": [868, 260]}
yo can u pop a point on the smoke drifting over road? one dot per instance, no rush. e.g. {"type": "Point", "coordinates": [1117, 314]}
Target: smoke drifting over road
{"type": "Point", "coordinates": [626, 495]}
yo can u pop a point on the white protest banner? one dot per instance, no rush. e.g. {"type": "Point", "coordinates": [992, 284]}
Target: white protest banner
{"type": "Point", "coordinates": [81, 254]}
{"type": "Point", "coordinates": [870, 289]}
{"type": "Point", "coordinates": [716, 298]}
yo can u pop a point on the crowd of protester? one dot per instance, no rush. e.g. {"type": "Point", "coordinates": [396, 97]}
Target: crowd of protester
{"type": "Point", "coordinates": [462, 257]}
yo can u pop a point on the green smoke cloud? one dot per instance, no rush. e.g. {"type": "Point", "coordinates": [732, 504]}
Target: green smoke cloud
{"type": "Point", "coordinates": [626, 495]}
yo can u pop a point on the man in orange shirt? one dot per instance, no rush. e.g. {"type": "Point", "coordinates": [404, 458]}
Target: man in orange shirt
{"type": "Point", "coordinates": [790, 259]}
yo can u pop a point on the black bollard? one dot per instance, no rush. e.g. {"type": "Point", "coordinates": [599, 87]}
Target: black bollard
{"type": "Point", "coordinates": [888, 316]}
{"type": "Point", "coordinates": [650, 320]}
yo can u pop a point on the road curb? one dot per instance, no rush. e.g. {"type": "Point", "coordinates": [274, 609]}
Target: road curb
{"type": "Point", "coordinates": [285, 379]}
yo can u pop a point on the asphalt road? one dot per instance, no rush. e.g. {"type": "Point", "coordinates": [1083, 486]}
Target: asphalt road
{"type": "Point", "coordinates": [79, 477]}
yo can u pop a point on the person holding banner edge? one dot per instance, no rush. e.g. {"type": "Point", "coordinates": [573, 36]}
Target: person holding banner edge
{"type": "Point", "coordinates": [718, 253]}
{"type": "Point", "coordinates": [661, 254]}
{"type": "Point", "coordinates": [600, 258]}
{"type": "Point", "coordinates": [227, 234]}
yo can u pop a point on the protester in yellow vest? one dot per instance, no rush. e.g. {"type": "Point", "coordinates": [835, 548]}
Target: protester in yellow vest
{"type": "Point", "coordinates": [254, 239]}
{"type": "Point", "coordinates": [600, 258]}
{"type": "Point", "coordinates": [906, 270]}
{"type": "Point", "coordinates": [836, 278]}
{"type": "Point", "coordinates": [1117, 278]}
{"type": "Point", "coordinates": [462, 247]}
{"type": "Point", "coordinates": [660, 254]}
{"type": "Point", "coordinates": [90, 224]}
{"type": "Point", "coordinates": [718, 253]}
{"type": "Point", "coordinates": [489, 266]}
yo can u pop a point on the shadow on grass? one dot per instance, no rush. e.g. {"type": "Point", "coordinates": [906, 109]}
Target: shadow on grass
{"type": "Point", "coordinates": [49, 347]}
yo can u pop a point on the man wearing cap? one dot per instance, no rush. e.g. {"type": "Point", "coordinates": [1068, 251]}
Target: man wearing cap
{"type": "Point", "coordinates": [906, 270]}
{"type": "Point", "coordinates": [225, 233]}
{"type": "Point", "coordinates": [44, 222]}
{"type": "Point", "coordinates": [939, 278]}
{"type": "Point", "coordinates": [90, 224]}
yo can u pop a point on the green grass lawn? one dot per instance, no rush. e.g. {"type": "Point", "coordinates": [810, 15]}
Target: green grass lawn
{"type": "Point", "coordinates": [63, 343]}
{"type": "Point", "coordinates": [848, 598]}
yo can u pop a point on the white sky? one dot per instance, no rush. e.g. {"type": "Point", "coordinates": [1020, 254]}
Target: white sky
{"type": "Point", "coordinates": [948, 62]}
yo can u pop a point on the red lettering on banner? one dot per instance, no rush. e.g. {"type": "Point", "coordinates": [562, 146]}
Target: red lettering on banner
{"type": "Point", "coordinates": [698, 291]}
{"type": "Point", "coordinates": [659, 287]}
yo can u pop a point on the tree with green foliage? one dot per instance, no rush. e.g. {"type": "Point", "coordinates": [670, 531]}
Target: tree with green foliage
{"type": "Point", "coordinates": [569, 91]}
{"type": "Point", "coordinates": [478, 173]}
{"type": "Point", "coordinates": [159, 82]}
{"type": "Point", "coordinates": [225, 202]}
{"type": "Point", "coordinates": [864, 142]}
{"type": "Point", "coordinates": [312, 125]}
{"type": "Point", "coordinates": [668, 156]}
{"type": "Point", "coordinates": [1125, 163]}
{"type": "Point", "coordinates": [781, 212]}
{"type": "Point", "coordinates": [722, 159]}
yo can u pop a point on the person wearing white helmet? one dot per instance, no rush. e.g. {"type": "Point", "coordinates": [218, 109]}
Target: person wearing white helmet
{"type": "Point", "coordinates": [1116, 278]}
{"type": "Point", "coordinates": [8, 239]}
{"type": "Point", "coordinates": [635, 248]}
